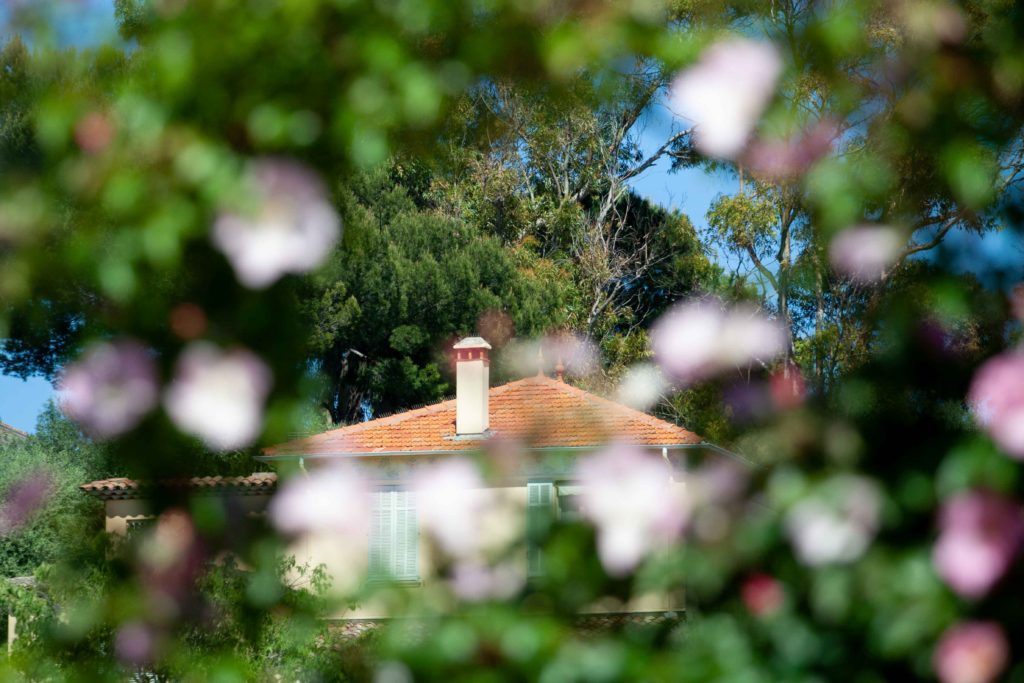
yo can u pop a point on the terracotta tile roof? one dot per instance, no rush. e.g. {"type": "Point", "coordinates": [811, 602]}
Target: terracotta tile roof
{"type": "Point", "coordinates": [539, 411]}
{"type": "Point", "coordinates": [8, 430]}
{"type": "Point", "coordinates": [122, 487]}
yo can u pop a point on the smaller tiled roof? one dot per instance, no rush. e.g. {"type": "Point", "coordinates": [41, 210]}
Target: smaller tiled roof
{"type": "Point", "coordinates": [122, 487]}
{"type": "Point", "coordinates": [538, 412]}
{"type": "Point", "coordinates": [8, 430]}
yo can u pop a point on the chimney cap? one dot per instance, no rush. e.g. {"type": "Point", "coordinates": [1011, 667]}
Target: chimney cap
{"type": "Point", "coordinates": [472, 343]}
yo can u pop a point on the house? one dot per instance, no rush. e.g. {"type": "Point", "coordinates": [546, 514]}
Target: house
{"type": "Point", "coordinates": [547, 422]}
{"type": "Point", "coordinates": [9, 432]}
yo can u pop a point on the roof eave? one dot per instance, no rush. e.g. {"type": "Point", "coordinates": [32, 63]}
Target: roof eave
{"type": "Point", "coordinates": [466, 451]}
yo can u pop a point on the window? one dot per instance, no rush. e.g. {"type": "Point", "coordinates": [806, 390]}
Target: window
{"type": "Point", "coordinates": [539, 500]}
{"type": "Point", "coordinates": [135, 527]}
{"type": "Point", "coordinates": [569, 503]}
{"type": "Point", "coordinates": [394, 536]}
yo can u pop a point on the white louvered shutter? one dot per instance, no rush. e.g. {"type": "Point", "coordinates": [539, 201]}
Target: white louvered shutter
{"type": "Point", "coordinates": [381, 534]}
{"type": "Point", "coordinates": [540, 496]}
{"type": "Point", "coordinates": [406, 547]}
{"type": "Point", "coordinates": [394, 537]}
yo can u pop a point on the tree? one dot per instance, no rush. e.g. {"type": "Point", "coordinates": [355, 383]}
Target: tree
{"type": "Point", "coordinates": [57, 529]}
{"type": "Point", "coordinates": [550, 168]}
{"type": "Point", "coordinates": [385, 310]}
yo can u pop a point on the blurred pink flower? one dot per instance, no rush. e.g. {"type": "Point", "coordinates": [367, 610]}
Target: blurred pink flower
{"type": "Point", "coordinates": [996, 397]}
{"type": "Point", "coordinates": [718, 481]}
{"type": "Point", "coordinates": [788, 387]}
{"type": "Point", "coordinates": [576, 355]}
{"type": "Point", "coordinates": [778, 159]}
{"type": "Point", "coordinates": [701, 338]}
{"type": "Point", "coordinates": [94, 132]}
{"type": "Point", "coordinates": [218, 395]}
{"type": "Point", "coordinates": [980, 536]}
{"type": "Point", "coordinates": [476, 581]}
{"type": "Point", "coordinates": [110, 388]}
{"type": "Point", "coordinates": [863, 253]}
{"type": "Point", "coordinates": [1016, 298]}
{"type": "Point", "coordinates": [725, 92]}
{"type": "Point", "coordinates": [292, 230]}
{"type": "Point", "coordinates": [629, 496]}
{"type": "Point", "coordinates": [762, 594]}
{"type": "Point", "coordinates": [449, 504]}
{"type": "Point", "coordinates": [837, 523]}
{"type": "Point", "coordinates": [134, 643]}
{"type": "Point", "coordinates": [171, 556]}
{"type": "Point", "coordinates": [332, 500]}
{"type": "Point", "coordinates": [23, 499]}
{"type": "Point", "coordinates": [971, 652]}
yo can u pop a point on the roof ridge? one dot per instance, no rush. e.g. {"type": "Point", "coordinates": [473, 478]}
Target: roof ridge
{"type": "Point", "coordinates": [392, 419]}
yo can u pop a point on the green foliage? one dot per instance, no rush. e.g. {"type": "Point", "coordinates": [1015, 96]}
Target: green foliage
{"type": "Point", "coordinates": [407, 282]}
{"type": "Point", "coordinates": [517, 125]}
{"type": "Point", "coordinates": [292, 642]}
{"type": "Point", "coordinates": [61, 528]}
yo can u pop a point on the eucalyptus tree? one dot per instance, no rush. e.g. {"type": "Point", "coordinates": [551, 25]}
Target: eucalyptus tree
{"type": "Point", "coordinates": [551, 168]}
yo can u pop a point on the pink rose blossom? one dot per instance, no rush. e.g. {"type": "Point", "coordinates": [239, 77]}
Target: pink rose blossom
{"type": "Point", "coordinates": [575, 355]}
{"type": "Point", "coordinates": [292, 230]}
{"type": "Point", "coordinates": [218, 395]}
{"type": "Point", "coordinates": [23, 499]}
{"type": "Point", "coordinates": [780, 159]}
{"type": "Point", "coordinates": [980, 535]}
{"type": "Point", "coordinates": [762, 594]}
{"type": "Point", "coordinates": [629, 496]}
{"type": "Point", "coordinates": [572, 354]}
{"type": "Point", "coordinates": [971, 652]}
{"type": "Point", "coordinates": [477, 581]}
{"type": "Point", "coordinates": [996, 397]}
{"type": "Point", "coordinates": [449, 505]}
{"type": "Point", "coordinates": [788, 387]}
{"type": "Point", "coordinates": [837, 523]}
{"type": "Point", "coordinates": [725, 93]}
{"type": "Point", "coordinates": [94, 132]}
{"type": "Point", "coordinates": [700, 338]}
{"type": "Point", "coordinates": [110, 388]}
{"type": "Point", "coordinates": [864, 253]}
{"type": "Point", "coordinates": [1016, 299]}
{"type": "Point", "coordinates": [134, 643]}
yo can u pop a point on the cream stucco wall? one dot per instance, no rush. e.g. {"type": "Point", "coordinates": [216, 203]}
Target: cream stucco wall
{"type": "Point", "coordinates": [120, 512]}
{"type": "Point", "coordinates": [346, 559]}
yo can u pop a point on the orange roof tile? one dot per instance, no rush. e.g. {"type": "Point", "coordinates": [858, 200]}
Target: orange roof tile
{"type": "Point", "coordinates": [122, 487]}
{"type": "Point", "coordinates": [539, 411]}
{"type": "Point", "coordinates": [8, 430]}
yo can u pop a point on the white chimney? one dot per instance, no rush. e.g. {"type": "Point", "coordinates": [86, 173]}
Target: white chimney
{"type": "Point", "coordinates": [472, 381]}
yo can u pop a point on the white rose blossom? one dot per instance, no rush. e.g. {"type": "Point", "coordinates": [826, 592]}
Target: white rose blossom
{"type": "Point", "coordinates": [218, 395]}
{"type": "Point", "coordinates": [864, 253]}
{"type": "Point", "coordinates": [701, 338]}
{"type": "Point", "coordinates": [292, 229]}
{"type": "Point", "coordinates": [725, 93]}
{"type": "Point", "coordinates": [836, 524]}
{"type": "Point", "coordinates": [630, 498]}
{"type": "Point", "coordinates": [449, 505]}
